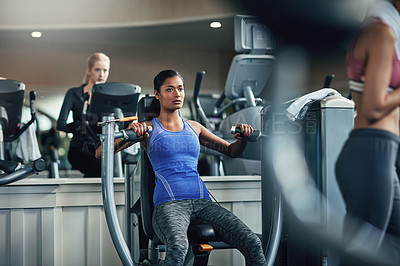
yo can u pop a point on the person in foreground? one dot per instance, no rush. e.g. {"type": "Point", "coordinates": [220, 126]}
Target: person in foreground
{"type": "Point", "coordinates": [83, 145]}
{"type": "Point", "coordinates": [365, 169]}
{"type": "Point", "coordinates": [180, 196]}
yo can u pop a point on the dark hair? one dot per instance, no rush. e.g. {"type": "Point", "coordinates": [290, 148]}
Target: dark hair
{"type": "Point", "coordinates": [158, 82]}
{"type": "Point", "coordinates": [162, 76]}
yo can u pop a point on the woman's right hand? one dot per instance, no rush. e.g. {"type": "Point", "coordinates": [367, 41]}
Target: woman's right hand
{"type": "Point", "coordinates": [139, 128]}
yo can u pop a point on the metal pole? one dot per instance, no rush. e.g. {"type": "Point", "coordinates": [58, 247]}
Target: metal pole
{"type": "Point", "coordinates": [2, 156]}
{"type": "Point", "coordinates": [248, 94]}
{"type": "Point", "coordinates": [117, 170]}
{"type": "Point", "coordinates": [128, 205]}
{"type": "Point", "coordinates": [110, 210]}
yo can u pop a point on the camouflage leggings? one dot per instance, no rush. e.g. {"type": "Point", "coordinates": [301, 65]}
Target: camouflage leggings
{"type": "Point", "coordinates": [171, 221]}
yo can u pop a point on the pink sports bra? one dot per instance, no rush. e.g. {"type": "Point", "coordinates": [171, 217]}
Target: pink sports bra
{"type": "Point", "coordinates": [356, 69]}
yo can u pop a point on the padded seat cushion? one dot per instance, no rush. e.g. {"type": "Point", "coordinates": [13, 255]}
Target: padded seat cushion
{"type": "Point", "coordinates": [201, 233]}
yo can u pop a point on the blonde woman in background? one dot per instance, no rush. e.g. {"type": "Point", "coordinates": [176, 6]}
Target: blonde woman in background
{"type": "Point", "coordinates": [83, 145]}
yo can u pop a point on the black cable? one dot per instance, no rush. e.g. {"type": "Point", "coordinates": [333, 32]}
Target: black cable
{"type": "Point", "coordinates": [213, 198]}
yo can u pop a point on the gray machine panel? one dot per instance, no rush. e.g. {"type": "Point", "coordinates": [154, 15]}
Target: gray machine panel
{"type": "Point", "coordinates": [323, 132]}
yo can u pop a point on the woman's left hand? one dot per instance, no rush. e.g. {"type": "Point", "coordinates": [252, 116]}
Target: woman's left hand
{"type": "Point", "coordinates": [245, 129]}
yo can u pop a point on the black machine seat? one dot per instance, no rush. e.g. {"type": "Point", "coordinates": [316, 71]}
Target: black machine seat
{"type": "Point", "coordinates": [201, 232]}
{"type": "Point", "coordinates": [197, 233]}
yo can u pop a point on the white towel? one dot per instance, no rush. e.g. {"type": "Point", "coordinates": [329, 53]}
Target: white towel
{"type": "Point", "coordinates": [390, 16]}
{"type": "Point", "coordinates": [28, 148]}
{"type": "Point", "coordinates": [294, 110]}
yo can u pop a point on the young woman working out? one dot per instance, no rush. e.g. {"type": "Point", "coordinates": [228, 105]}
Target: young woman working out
{"type": "Point", "coordinates": [180, 196]}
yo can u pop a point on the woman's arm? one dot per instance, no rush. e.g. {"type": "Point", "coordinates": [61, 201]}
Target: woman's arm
{"type": "Point", "coordinates": [378, 44]}
{"type": "Point", "coordinates": [120, 144]}
{"type": "Point", "coordinates": [67, 106]}
{"type": "Point", "coordinates": [209, 140]}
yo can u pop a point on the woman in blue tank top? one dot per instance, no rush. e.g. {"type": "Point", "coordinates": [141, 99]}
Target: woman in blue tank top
{"type": "Point", "coordinates": [180, 196]}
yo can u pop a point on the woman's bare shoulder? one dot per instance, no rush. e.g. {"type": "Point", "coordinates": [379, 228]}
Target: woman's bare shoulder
{"type": "Point", "coordinates": [378, 32]}
{"type": "Point", "coordinates": [195, 125]}
{"type": "Point", "coordinates": [375, 38]}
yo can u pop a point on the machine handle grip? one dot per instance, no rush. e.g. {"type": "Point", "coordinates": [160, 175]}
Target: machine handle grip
{"type": "Point", "coordinates": [85, 102]}
{"type": "Point", "coordinates": [129, 134]}
{"type": "Point", "coordinates": [128, 118]}
{"type": "Point", "coordinates": [197, 85]}
{"type": "Point", "coordinates": [218, 103]}
{"type": "Point", "coordinates": [328, 80]}
{"type": "Point", "coordinates": [22, 172]}
{"type": "Point", "coordinates": [123, 119]}
{"type": "Point", "coordinates": [254, 136]}
{"type": "Point", "coordinates": [32, 101]}
{"type": "Point", "coordinates": [220, 100]}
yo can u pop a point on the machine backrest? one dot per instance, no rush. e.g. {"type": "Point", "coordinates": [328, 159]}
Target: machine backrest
{"type": "Point", "coordinates": [147, 183]}
{"type": "Point", "coordinates": [146, 111]}
{"type": "Point", "coordinates": [147, 178]}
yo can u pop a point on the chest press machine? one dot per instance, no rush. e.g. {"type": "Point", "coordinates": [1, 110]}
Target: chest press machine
{"type": "Point", "coordinates": [202, 238]}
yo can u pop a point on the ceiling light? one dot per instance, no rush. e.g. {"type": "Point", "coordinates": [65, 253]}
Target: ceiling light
{"type": "Point", "coordinates": [215, 25]}
{"type": "Point", "coordinates": [36, 34]}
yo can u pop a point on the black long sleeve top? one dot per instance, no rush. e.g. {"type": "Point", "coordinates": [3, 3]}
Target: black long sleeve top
{"type": "Point", "coordinates": [73, 101]}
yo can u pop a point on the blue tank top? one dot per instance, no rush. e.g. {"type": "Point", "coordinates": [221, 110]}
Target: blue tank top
{"type": "Point", "coordinates": [174, 157]}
